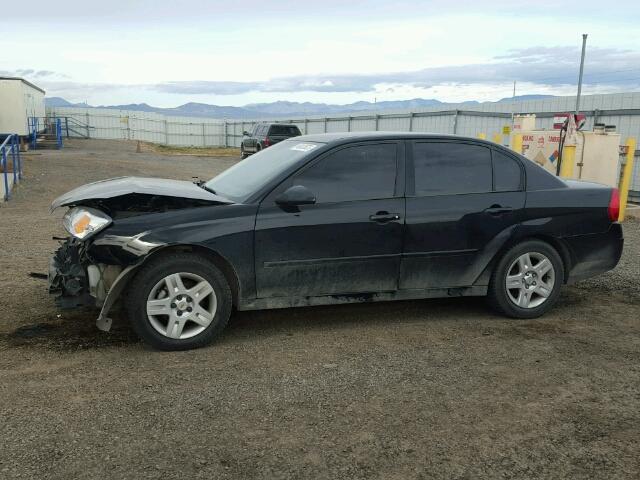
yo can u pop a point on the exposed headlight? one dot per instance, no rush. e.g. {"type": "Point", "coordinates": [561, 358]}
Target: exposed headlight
{"type": "Point", "coordinates": [82, 222]}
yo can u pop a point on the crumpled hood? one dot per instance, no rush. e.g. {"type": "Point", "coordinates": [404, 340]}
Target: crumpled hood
{"type": "Point", "coordinates": [116, 187]}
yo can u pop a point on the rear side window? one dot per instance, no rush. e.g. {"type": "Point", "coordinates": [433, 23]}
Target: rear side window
{"type": "Point", "coordinates": [361, 172]}
{"type": "Point", "coordinates": [290, 130]}
{"type": "Point", "coordinates": [447, 168]}
{"type": "Point", "coordinates": [507, 174]}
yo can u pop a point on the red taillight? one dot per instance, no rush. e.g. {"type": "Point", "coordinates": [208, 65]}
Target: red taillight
{"type": "Point", "coordinates": [614, 205]}
{"type": "Point", "coordinates": [267, 142]}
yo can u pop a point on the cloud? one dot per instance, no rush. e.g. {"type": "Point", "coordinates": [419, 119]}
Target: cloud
{"type": "Point", "coordinates": [551, 66]}
{"type": "Point", "coordinates": [32, 74]}
{"type": "Point", "coordinates": [119, 12]}
{"type": "Point", "coordinates": [545, 66]}
{"type": "Point", "coordinates": [206, 87]}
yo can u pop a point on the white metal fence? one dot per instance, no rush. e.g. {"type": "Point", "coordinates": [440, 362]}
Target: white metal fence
{"type": "Point", "coordinates": [469, 119]}
{"type": "Point", "coordinates": [149, 127]}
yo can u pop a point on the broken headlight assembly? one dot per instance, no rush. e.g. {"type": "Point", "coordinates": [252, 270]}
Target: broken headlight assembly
{"type": "Point", "coordinates": [82, 222]}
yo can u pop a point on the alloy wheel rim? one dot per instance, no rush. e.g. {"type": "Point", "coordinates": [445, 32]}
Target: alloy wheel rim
{"type": "Point", "coordinates": [530, 280]}
{"type": "Point", "coordinates": [181, 305]}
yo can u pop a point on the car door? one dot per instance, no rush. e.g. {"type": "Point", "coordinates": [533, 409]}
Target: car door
{"type": "Point", "coordinates": [349, 240]}
{"type": "Point", "coordinates": [463, 201]}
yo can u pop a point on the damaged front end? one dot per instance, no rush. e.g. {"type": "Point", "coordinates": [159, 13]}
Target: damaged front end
{"type": "Point", "coordinates": [77, 282]}
{"type": "Point", "coordinates": [68, 278]}
{"type": "Point", "coordinates": [92, 267]}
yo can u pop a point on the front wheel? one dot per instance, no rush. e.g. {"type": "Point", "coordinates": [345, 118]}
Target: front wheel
{"type": "Point", "coordinates": [527, 279]}
{"type": "Point", "coordinates": [243, 154]}
{"type": "Point", "coordinates": [178, 302]}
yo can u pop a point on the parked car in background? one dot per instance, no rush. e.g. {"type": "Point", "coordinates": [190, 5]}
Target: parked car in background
{"type": "Point", "coordinates": [264, 135]}
{"type": "Point", "coordinates": [333, 218]}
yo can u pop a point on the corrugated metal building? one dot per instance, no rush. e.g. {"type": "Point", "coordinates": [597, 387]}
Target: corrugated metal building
{"type": "Point", "coordinates": [470, 119]}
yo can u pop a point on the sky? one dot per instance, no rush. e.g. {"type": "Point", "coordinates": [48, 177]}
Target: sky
{"type": "Point", "coordinates": [167, 53]}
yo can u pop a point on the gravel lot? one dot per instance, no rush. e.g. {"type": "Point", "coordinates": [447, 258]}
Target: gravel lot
{"type": "Point", "coordinates": [419, 389]}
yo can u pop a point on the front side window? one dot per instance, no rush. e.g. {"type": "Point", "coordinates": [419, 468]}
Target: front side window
{"type": "Point", "coordinates": [361, 172]}
{"type": "Point", "coordinates": [448, 168]}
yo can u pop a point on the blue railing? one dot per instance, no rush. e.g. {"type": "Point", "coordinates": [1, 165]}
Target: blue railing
{"type": "Point", "coordinates": [33, 131]}
{"type": "Point", "coordinates": [51, 127]}
{"type": "Point", "coordinates": [58, 126]}
{"type": "Point", "coordinates": [11, 144]}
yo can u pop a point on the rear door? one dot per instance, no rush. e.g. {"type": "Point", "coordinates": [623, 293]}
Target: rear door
{"type": "Point", "coordinates": [350, 240]}
{"type": "Point", "coordinates": [463, 198]}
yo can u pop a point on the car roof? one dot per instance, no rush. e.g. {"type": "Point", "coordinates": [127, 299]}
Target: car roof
{"type": "Point", "coordinates": [348, 137]}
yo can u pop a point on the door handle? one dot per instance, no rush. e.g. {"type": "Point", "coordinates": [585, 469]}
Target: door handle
{"type": "Point", "coordinates": [384, 217]}
{"type": "Point", "coordinates": [498, 210]}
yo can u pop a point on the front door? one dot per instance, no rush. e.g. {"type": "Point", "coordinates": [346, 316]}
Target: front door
{"type": "Point", "coordinates": [463, 199]}
{"type": "Point", "coordinates": [349, 241]}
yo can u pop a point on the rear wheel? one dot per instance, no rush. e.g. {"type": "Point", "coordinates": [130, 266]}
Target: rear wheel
{"type": "Point", "coordinates": [178, 302]}
{"type": "Point", "coordinates": [527, 279]}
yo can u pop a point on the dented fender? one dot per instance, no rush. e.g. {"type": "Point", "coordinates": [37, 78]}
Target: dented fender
{"type": "Point", "coordinates": [103, 322]}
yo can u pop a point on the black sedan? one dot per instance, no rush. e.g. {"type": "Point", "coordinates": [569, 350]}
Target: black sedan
{"type": "Point", "coordinates": [333, 218]}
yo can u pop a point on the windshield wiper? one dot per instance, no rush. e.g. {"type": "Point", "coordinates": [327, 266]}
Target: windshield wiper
{"type": "Point", "coordinates": [210, 190]}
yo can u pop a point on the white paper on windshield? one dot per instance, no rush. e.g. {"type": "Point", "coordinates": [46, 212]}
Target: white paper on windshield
{"type": "Point", "coordinates": [304, 147]}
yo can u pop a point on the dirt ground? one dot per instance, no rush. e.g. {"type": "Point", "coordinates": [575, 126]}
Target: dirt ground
{"type": "Point", "coordinates": [416, 389]}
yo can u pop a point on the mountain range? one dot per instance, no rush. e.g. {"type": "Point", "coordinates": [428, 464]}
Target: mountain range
{"type": "Point", "coordinates": [275, 109]}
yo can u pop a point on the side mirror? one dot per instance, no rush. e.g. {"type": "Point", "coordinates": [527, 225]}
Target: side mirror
{"type": "Point", "coordinates": [246, 134]}
{"type": "Point", "coordinates": [296, 195]}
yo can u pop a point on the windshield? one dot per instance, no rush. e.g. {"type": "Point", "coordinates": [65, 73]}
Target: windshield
{"type": "Point", "coordinates": [247, 177]}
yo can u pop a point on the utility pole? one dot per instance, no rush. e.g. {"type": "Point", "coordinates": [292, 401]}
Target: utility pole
{"type": "Point", "coordinates": [584, 47]}
{"type": "Point", "coordinates": [568, 160]}
{"type": "Point", "coordinates": [513, 104]}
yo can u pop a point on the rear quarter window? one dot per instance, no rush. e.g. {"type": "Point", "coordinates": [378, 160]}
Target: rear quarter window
{"type": "Point", "coordinates": [507, 174]}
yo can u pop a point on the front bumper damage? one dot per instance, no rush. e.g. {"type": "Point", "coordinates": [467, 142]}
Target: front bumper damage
{"type": "Point", "coordinates": [68, 276]}
{"type": "Point", "coordinates": [77, 280]}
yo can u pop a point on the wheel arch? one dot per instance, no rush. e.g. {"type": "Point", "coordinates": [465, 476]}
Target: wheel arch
{"type": "Point", "coordinates": [558, 244]}
{"type": "Point", "coordinates": [213, 256]}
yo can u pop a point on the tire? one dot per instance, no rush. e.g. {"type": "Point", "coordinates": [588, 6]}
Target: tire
{"type": "Point", "coordinates": [258, 147]}
{"type": "Point", "coordinates": [186, 318]}
{"type": "Point", "coordinates": [243, 154]}
{"type": "Point", "coordinates": [535, 289]}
